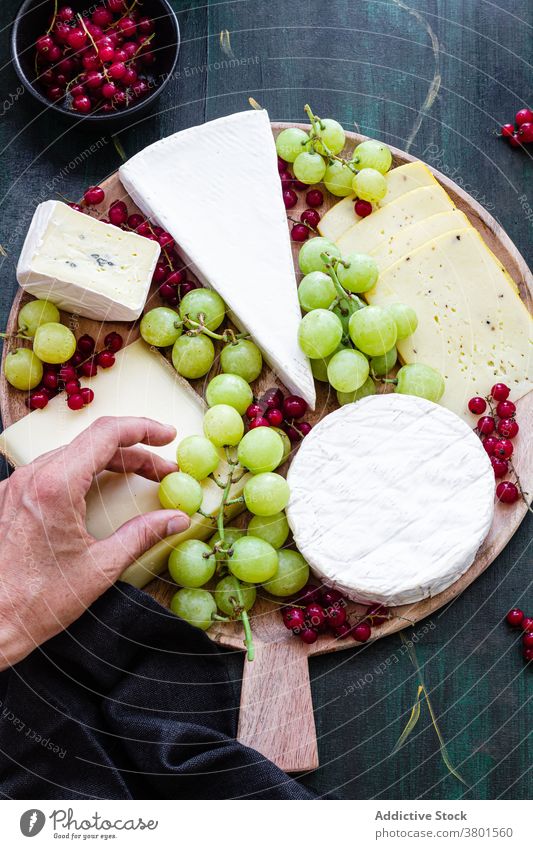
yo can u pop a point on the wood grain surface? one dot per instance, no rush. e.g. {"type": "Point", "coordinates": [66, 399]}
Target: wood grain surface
{"type": "Point", "coordinates": [276, 715]}
{"type": "Point", "coordinates": [436, 77]}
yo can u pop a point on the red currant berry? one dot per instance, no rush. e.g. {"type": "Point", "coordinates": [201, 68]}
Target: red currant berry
{"type": "Point", "coordinates": [527, 655]}
{"type": "Point", "coordinates": [361, 632]}
{"type": "Point", "coordinates": [108, 91]}
{"type": "Point", "coordinates": [309, 595]}
{"type": "Point", "coordinates": [500, 392]}
{"type": "Point", "coordinates": [102, 17]}
{"type": "Point", "coordinates": [508, 428]}
{"type": "Point", "coordinates": [514, 617]}
{"type": "Point", "coordinates": [89, 369]}
{"type": "Point", "coordinates": [377, 613]}
{"type": "Point", "coordinates": [259, 422]}
{"type": "Point", "coordinates": [286, 180]}
{"type": "Point", "coordinates": [290, 198]}
{"type": "Point", "coordinates": [525, 133]}
{"type": "Point", "coordinates": [145, 26]}
{"type": "Point", "coordinates": [117, 6]}
{"type": "Point", "coordinates": [77, 38]}
{"type": "Point", "coordinates": [72, 387]}
{"type": "Point", "coordinates": [500, 466]}
{"type": "Point", "coordinates": [507, 492]}
{"type": "Point", "coordinates": [299, 186]}
{"type": "Point", "coordinates": [38, 400]}
{"type": "Point", "coordinates": [65, 13]}
{"type": "Point", "coordinates": [330, 596]}
{"type": "Point", "coordinates": [524, 116]}
{"type": "Point", "coordinates": [82, 104]}
{"type": "Point", "coordinates": [503, 448]}
{"type": "Point", "coordinates": [514, 141]}
{"type": "Point", "coordinates": [127, 26]}
{"type": "Point", "coordinates": [304, 428]}
{"type": "Point", "coordinates": [118, 213]}
{"type": "Point", "coordinates": [343, 631]}
{"type": "Point", "coordinates": [75, 402]}
{"type": "Point", "coordinates": [105, 359]}
{"type": "Point", "coordinates": [187, 287]}
{"type": "Point", "coordinates": [117, 70]}
{"type": "Point", "coordinates": [87, 395]}
{"type": "Point", "coordinates": [477, 405]}
{"type": "Point", "coordinates": [292, 433]}
{"type": "Point", "coordinates": [527, 639]}
{"type": "Point", "coordinates": [314, 198]}
{"type": "Point", "coordinates": [362, 208]}
{"type": "Point", "coordinates": [293, 617]}
{"type": "Point", "coordinates": [489, 444]}
{"type": "Point", "coordinates": [310, 217]}
{"type": "Point", "coordinates": [44, 44]}
{"type": "Point", "coordinates": [294, 407]}
{"type": "Point", "coordinates": [253, 411]}
{"type": "Point", "coordinates": [51, 380]}
{"type": "Point", "coordinates": [67, 373]}
{"type": "Point", "coordinates": [113, 342]}
{"type": "Point", "coordinates": [274, 417]}
{"type": "Point", "coordinates": [308, 636]}
{"type": "Point", "coordinates": [315, 614]}
{"type": "Point", "coordinates": [300, 233]}
{"type": "Point", "coordinates": [273, 398]}
{"type": "Point", "coordinates": [135, 221]}
{"type": "Point", "coordinates": [86, 344]}
{"type": "Point", "coordinates": [94, 195]}
{"type": "Point", "coordinates": [486, 425]}
{"type": "Point", "coordinates": [167, 291]}
{"type": "Point", "coordinates": [507, 131]}
{"type": "Point", "coordinates": [505, 409]}
{"type": "Point", "coordinates": [527, 623]}
{"type": "Point", "coordinates": [166, 241]}
{"type": "Point", "coordinates": [336, 616]}
{"type": "Point", "coordinates": [55, 92]}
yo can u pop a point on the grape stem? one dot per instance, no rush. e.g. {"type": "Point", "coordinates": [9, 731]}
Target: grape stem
{"type": "Point", "coordinates": [330, 264]}
{"type": "Point", "coordinates": [197, 327]}
{"type": "Point", "coordinates": [19, 335]}
{"type": "Point", "coordinates": [316, 135]}
{"type": "Point", "coordinates": [93, 42]}
{"type": "Point", "coordinates": [54, 18]}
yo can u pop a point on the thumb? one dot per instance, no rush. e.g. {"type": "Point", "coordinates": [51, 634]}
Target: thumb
{"type": "Point", "coordinates": [135, 537]}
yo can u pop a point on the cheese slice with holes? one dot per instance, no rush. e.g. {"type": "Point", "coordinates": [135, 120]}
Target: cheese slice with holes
{"type": "Point", "coordinates": [472, 325]}
{"type": "Point", "coordinates": [411, 208]}
{"type": "Point", "coordinates": [142, 383]}
{"type": "Point", "coordinates": [390, 499]}
{"type": "Point", "coordinates": [85, 266]}
{"type": "Point", "coordinates": [405, 178]}
{"type": "Point", "coordinates": [403, 242]}
{"type": "Point", "coordinates": [216, 189]}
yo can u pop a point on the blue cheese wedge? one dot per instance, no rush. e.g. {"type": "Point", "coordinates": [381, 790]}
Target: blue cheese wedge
{"type": "Point", "coordinates": [84, 266]}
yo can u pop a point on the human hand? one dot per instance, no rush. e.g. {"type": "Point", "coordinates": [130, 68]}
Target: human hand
{"type": "Point", "coordinates": [51, 568]}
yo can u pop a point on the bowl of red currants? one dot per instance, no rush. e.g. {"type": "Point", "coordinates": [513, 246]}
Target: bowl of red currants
{"type": "Point", "coordinates": [99, 61]}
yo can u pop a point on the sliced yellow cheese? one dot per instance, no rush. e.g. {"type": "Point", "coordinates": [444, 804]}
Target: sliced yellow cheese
{"type": "Point", "coordinates": [142, 383]}
{"type": "Point", "coordinates": [400, 180]}
{"type": "Point", "coordinates": [472, 325]}
{"type": "Point", "coordinates": [408, 239]}
{"type": "Point", "coordinates": [417, 205]}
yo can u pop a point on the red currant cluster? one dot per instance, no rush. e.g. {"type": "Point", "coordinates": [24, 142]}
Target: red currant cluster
{"type": "Point", "coordinates": [171, 280]}
{"type": "Point", "coordinates": [521, 132]}
{"type": "Point", "coordinates": [66, 378]}
{"type": "Point", "coordinates": [97, 62]}
{"type": "Point", "coordinates": [496, 432]}
{"type": "Point", "coordinates": [516, 618]}
{"type": "Point", "coordinates": [276, 410]}
{"type": "Point", "coordinates": [319, 609]}
{"type": "Point", "coordinates": [314, 198]}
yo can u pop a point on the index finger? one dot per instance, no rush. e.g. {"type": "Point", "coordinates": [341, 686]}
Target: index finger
{"type": "Point", "coordinates": [91, 451]}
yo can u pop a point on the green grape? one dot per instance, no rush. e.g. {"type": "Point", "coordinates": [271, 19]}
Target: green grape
{"type": "Point", "coordinates": [405, 319]}
{"type": "Point", "coordinates": [332, 135]}
{"type": "Point", "coordinates": [292, 574]}
{"type": "Point", "coordinates": [203, 302]}
{"type": "Point", "coordinates": [223, 425]}
{"type": "Point", "coordinates": [316, 291]}
{"type": "Point", "coordinates": [194, 606]}
{"type": "Point", "coordinates": [419, 379]}
{"type": "Point", "coordinates": [242, 357]}
{"type": "Point", "coordinates": [54, 343]}
{"type": "Point", "coordinates": [260, 450]}
{"type": "Point", "coordinates": [309, 258]}
{"type": "Point", "coordinates": [161, 327]}
{"type": "Point", "coordinates": [380, 366]}
{"type": "Point", "coordinates": [266, 494]}
{"type": "Point", "coordinates": [348, 370]}
{"type": "Point", "coordinates": [287, 447]}
{"type": "Point", "coordinates": [372, 154]}
{"type": "Point", "coordinates": [309, 167]}
{"type": "Point", "coordinates": [229, 389]}
{"type": "Point", "coordinates": [253, 560]}
{"type": "Point", "coordinates": [193, 356]}
{"type": "Point", "coordinates": [345, 309]}
{"type": "Point", "coordinates": [197, 456]}
{"type": "Point", "coordinates": [180, 491]}
{"type": "Point", "coordinates": [338, 179]}
{"type": "Point", "coordinates": [361, 273]}
{"type": "Point", "coordinates": [23, 369]}
{"type": "Point", "coordinates": [35, 313]}
{"type": "Point", "coordinates": [192, 563]}
{"type": "Point", "coordinates": [320, 332]}
{"type": "Point", "coordinates": [273, 529]}
{"type": "Point", "coordinates": [231, 535]}
{"type": "Point", "coordinates": [290, 143]}
{"type": "Point", "coordinates": [373, 330]}
{"type": "Point", "coordinates": [370, 185]}
{"type": "Point", "coordinates": [227, 598]}
{"type": "Point", "coordinates": [368, 388]}
{"type": "Point", "coordinates": [320, 369]}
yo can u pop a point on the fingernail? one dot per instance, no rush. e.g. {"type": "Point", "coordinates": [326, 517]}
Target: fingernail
{"type": "Point", "coordinates": [180, 522]}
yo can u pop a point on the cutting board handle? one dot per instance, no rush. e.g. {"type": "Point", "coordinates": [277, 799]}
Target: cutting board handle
{"type": "Point", "coordinates": [276, 715]}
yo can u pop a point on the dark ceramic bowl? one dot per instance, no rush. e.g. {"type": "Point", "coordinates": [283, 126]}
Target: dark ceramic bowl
{"type": "Point", "coordinates": [32, 20]}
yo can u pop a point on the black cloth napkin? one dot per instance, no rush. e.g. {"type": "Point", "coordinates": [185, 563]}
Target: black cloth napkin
{"type": "Point", "coordinates": [129, 702]}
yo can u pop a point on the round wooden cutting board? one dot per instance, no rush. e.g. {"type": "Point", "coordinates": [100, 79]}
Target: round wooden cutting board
{"type": "Point", "coordinates": [276, 714]}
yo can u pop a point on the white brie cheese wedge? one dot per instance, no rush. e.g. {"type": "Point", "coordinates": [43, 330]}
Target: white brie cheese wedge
{"type": "Point", "coordinates": [216, 189]}
{"type": "Point", "coordinates": [391, 498]}
{"type": "Point", "coordinates": [84, 266]}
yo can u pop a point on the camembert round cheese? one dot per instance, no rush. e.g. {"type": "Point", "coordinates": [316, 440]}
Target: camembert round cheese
{"type": "Point", "coordinates": [391, 498]}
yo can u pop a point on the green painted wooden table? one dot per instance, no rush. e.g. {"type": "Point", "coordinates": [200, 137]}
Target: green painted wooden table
{"type": "Point", "coordinates": [436, 77]}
